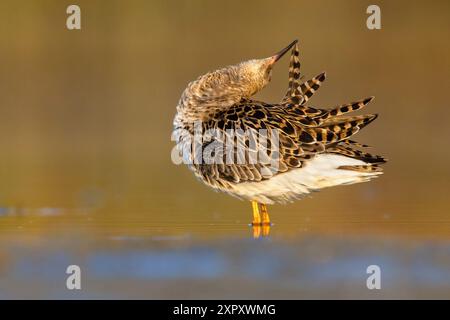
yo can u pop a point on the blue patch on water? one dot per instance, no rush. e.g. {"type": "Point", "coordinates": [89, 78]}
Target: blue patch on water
{"type": "Point", "coordinates": [196, 263]}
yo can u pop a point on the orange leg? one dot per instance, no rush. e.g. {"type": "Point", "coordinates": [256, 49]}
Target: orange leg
{"type": "Point", "coordinates": [261, 226]}
{"type": "Point", "coordinates": [265, 215]}
{"type": "Point", "coordinates": [256, 215]}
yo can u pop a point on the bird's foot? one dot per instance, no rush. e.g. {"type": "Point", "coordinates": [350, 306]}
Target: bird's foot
{"type": "Point", "coordinates": [261, 225]}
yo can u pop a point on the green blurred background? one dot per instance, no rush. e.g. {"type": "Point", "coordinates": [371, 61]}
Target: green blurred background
{"type": "Point", "coordinates": [86, 116]}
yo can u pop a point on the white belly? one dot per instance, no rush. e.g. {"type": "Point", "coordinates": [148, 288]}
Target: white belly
{"type": "Point", "coordinates": [321, 172]}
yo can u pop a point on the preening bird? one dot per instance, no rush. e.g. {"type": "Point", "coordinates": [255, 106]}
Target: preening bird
{"type": "Point", "coordinates": [312, 148]}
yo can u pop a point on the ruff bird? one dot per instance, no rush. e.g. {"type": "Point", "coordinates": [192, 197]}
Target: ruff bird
{"type": "Point", "coordinates": [312, 149]}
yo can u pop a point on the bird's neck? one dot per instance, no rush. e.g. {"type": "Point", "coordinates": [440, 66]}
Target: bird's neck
{"type": "Point", "coordinates": [209, 94]}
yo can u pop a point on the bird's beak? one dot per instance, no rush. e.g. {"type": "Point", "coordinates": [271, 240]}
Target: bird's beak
{"type": "Point", "coordinates": [278, 56]}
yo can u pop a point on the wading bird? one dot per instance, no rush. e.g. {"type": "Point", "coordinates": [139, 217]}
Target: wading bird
{"type": "Point", "coordinates": [313, 150]}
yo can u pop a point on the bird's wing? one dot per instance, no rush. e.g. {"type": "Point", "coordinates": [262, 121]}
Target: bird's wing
{"type": "Point", "coordinates": [297, 142]}
{"type": "Point", "coordinates": [299, 92]}
{"type": "Point", "coordinates": [294, 75]}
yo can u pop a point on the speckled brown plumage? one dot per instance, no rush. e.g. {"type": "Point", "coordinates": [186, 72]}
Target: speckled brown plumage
{"type": "Point", "coordinates": [221, 100]}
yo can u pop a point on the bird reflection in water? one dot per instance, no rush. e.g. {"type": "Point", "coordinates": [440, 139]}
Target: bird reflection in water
{"type": "Point", "coordinates": [261, 231]}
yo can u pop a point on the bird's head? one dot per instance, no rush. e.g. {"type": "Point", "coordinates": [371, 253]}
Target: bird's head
{"type": "Point", "coordinates": [255, 74]}
{"type": "Point", "coordinates": [220, 89]}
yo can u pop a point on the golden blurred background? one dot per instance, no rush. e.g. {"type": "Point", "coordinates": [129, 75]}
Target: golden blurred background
{"type": "Point", "coordinates": [87, 114]}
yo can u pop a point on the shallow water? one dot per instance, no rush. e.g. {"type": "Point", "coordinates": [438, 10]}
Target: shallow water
{"type": "Point", "coordinates": [86, 176]}
{"type": "Point", "coordinates": [147, 259]}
